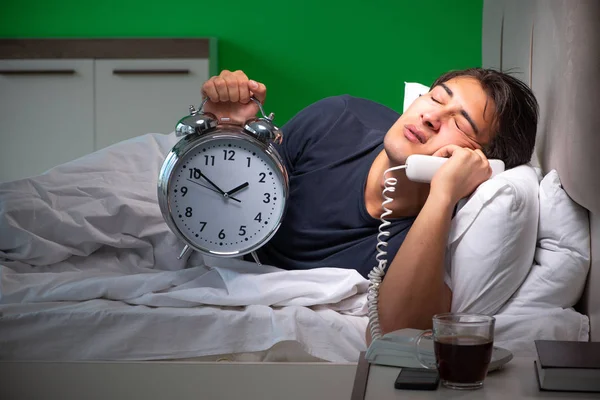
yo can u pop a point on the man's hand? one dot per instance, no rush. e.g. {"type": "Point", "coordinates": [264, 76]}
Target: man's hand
{"type": "Point", "coordinates": [465, 170]}
{"type": "Point", "coordinates": [229, 95]}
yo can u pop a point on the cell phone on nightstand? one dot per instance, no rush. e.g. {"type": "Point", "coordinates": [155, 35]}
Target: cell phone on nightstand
{"type": "Point", "coordinates": [417, 379]}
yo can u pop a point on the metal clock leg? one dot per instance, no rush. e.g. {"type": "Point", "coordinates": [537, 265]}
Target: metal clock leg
{"type": "Point", "coordinates": [185, 252]}
{"type": "Point", "coordinates": [255, 256]}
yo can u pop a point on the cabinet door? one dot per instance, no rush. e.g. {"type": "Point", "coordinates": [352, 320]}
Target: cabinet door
{"type": "Point", "coordinates": [46, 114]}
{"type": "Point", "coordinates": [135, 97]}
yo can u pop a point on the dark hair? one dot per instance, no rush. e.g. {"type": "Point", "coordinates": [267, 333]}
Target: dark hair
{"type": "Point", "coordinates": [515, 118]}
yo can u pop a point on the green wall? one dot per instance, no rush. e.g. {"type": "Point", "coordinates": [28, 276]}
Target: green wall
{"type": "Point", "coordinates": [302, 50]}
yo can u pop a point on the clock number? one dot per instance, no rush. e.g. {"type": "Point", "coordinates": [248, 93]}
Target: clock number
{"type": "Point", "coordinates": [242, 230]}
{"type": "Point", "coordinates": [258, 217]}
{"type": "Point", "coordinates": [262, 177]}
{"type": "Point", "coordinates": [228, 155]}
{"type": "Point", "coordinates": [248, 158]}
{"type": "Point", "coordinates": [195, 173]}
{"type": "Point", "coordinates": [188, 212]}
{"type": "Point", "coordinates": [203, 225]}
{"type": "Point", "coordinates": [207, 158]}
{"type": "Point", "coordinates": [183, 191]}
{"type": "Point", "coordinates": [267, 199]}
{"type": "Point", "coordinates": [222, 234]}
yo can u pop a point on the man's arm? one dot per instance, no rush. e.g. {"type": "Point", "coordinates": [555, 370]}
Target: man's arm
{"type": "Point", "coordinates": [413, 290]}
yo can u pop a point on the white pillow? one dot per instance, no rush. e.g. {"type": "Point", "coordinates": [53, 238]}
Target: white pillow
{"type": "Point", "coordinates": [518, 332]}
{"type": "Point", "coordinates": [492, 241]}
{"type": "Point", "coordinates": [562, 255]}
{"type": "Point", "coordinates": [412, 91]}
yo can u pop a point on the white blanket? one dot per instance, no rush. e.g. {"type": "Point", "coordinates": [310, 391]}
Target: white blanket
{"type": "Point", "coordinates": [83, 308]}
{"type": "Point", "coordinates": [94, 274]}
{"type": "Point", "coordinates": [234, 283]}
{"type": "Point", "coordinates": [91, 308]}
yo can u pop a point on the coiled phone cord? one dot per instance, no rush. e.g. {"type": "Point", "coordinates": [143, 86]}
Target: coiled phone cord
{"type": "Point", "coordinates": [377, 273]}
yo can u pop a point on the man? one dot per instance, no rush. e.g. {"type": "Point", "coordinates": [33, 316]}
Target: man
{"type": "Point", "coordinates": [337, 151]}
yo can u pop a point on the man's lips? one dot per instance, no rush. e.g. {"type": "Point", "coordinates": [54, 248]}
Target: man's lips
{"type": "Point", "coordinates": [413, 134]}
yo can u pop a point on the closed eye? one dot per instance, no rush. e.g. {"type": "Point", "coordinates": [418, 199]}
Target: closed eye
{"type": "Point", "coordinates": [435, 100]}
{"type": "Point", "coordinates": [466, 134]}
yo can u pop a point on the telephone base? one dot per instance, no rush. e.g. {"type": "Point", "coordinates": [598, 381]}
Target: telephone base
{"type": "Point", "coordinates": [398, 349]}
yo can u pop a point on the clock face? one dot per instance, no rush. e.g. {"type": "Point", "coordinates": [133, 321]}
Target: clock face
{"type": "Point", "coordinates": [226, 196]}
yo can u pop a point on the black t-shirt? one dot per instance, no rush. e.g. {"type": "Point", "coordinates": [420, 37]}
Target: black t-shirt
{"type": "Point", "coordinates": [328, 149]}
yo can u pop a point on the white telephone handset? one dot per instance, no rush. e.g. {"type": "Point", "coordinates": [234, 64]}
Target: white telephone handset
{"type": "Point", "coordinates": [421, 168]}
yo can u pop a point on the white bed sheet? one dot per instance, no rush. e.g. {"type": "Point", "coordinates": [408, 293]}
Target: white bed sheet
{"type": "Point", "coordinates": [95, 309]}
{"type": "Point", "coordinates": [113, 330]}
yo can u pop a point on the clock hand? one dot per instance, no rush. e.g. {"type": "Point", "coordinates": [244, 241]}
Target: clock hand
{"type": "Point", "coordinates": [212, 183]}
{"type": "Point", "coordinates": [236, 189]}
{"type": "Point", "coordinates": [209, 188]}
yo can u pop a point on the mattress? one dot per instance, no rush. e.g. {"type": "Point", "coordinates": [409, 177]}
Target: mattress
{"type": "Point", "coordinates": [109, 313]}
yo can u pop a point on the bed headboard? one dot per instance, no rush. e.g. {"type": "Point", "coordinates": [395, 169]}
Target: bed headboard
{"type": "Point", "coordinates": [554, 46]}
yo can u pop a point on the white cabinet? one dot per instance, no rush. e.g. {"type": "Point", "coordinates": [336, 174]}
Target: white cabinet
{"type": "Point", "coordinates": [46, 114]}
{"type": "Point", "coordinates": [134, 97]}
{"type": "Point", "coordinates": [61, 99]}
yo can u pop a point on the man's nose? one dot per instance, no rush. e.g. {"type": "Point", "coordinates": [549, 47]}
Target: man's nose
{"type": "Point", "coordinates": [432, 120]}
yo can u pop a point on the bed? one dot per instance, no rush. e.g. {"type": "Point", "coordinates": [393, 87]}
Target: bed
{"type": "Point", "coordinates": [83, 279]}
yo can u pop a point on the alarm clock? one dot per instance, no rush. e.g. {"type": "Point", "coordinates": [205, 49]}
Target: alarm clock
{"type": "Point", "coordinates": [223, 187]}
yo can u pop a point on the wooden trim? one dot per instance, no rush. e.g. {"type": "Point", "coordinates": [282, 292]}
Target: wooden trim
{"type": "Point", "coordinates": [105, 48]}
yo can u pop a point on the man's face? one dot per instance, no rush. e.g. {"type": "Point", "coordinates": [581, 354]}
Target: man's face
{"type": "Point", "coordinates": [456, 112]}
